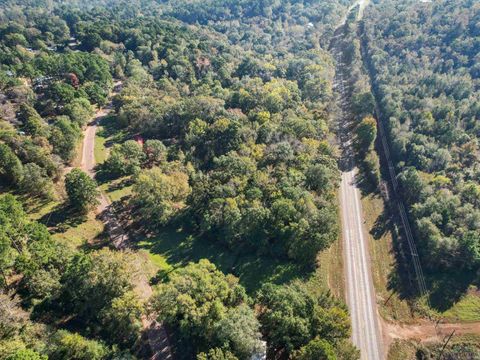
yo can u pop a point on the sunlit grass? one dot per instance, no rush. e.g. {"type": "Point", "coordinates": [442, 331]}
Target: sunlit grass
{"type": "Point", "coordinates": [402, 350]}
{"type": "Point", "coordinates": [80, 234]}
{"type": "Point", "coordinates": [100, 151]}
{"type": "Point", "coordinates": [465, 310]}
{"type": "Point", "coordinates": [382, 256]}
{"type": "Point", "coordinates": [117, 189]}
{"type": "Point", "coordinates": [329, 273]}
{"type": "Point", "coordinates": [173, 248]}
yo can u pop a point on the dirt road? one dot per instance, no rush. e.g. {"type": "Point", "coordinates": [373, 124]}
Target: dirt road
{"type": "Point", "coordinates": [156, 334]}
{"type": "Point", "coordinates": [426, 331]}
{"type": "Point", "coordinates": [88, 154]}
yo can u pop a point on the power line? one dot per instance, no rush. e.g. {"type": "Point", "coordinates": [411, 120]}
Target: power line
{"type": "Point", "coordinates": [401, 210]}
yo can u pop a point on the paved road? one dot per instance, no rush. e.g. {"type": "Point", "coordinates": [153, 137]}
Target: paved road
{"type": "Point", "coordinates": [360, 292]}
{"type": "Point", "coordinates": [361, 298]}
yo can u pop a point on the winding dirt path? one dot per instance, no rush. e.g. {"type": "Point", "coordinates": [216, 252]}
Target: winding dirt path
{"type": "Point", "coordinates": [155, 332]}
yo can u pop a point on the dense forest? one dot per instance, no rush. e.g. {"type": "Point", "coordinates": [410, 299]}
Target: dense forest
{"type": "Point", "coordinates": [425, 69]}
{"type": "Point", "coordinates": [225, 115]}
{"type": "Point", "coordinates": [218, 131]}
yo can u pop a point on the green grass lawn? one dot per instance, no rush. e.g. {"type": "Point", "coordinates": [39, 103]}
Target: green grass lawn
{"type": "Point", "coordinates": [173, 248]}
{"type": "Point", "coordinates": [100, 151]}
{"type": "Point", "coordinates": [87, 231]}
{"type": "Point", "coordinates": [467, 309]}
{"type": "Point", "coordinates": [391, 305]}
{"type": "Point", "coordinates": [118, 188]}
{"type": "Point", "coordinates": [70, 229]}
{"type": "Point", "coordinates": [329, 273]}
{"type": "Point", "coordinates": [36, 208]}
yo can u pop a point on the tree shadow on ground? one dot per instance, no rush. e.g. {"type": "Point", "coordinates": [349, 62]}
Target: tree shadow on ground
{"type": "Point", "coordinates": [179, 248]}
{"type": "Point", "coordinates": [62, 217]}
{"type": "Point", "coordinates": [444, 288]}
{"type": "Point", "coordinates": [399, 280]}
{"type": "Point", "coordinates": [447, 288]}
{"type": "Point", "coordinates": [32, 203]}
{"type": "Point", "coordinates": [381, 226]}
{"type": "Point", "coordinates": [98, 242]}
{"type": "Point", "coordinates": [103, 174]}
{"type": "Point", "coordinates": [112, 130]}
{"type": "Point", "coordinates": [364, 184]}
{"type": "Point", "coordinates": [120, 184]}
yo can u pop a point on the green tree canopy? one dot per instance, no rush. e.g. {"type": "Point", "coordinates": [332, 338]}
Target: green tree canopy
{"type": "Point", "coordinates": [291, 317]}
{"type": "Point", "coordinates": [81, 190]}
{"type": "Point", "coordinates": [160, 195]}
{"type": "Point", "coordinates": [202, 303]}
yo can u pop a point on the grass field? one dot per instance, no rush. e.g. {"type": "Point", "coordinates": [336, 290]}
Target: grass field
{"type": "Point", "coordinates": [71, 229]}
{"type": "Point", "coordinates": [117, 189]}
{"type": "Point", "coordinates": [391, 306]}
{"type": "Point", "coordinates": [465, 310]}
{"type": "Point", "coordinates": [87, 231]}
{"type": "Point", "coordinates": [100, 151]}
{"type": "Point", "coordinates": [173, 248]}
{"type": "Point", "coordinates": [329, 273]}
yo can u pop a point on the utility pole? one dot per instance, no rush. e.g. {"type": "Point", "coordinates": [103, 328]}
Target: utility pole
{"type": "Point", "coordinates": [386, 301]}
{"type": "Point", "coordinates": [445, 345]}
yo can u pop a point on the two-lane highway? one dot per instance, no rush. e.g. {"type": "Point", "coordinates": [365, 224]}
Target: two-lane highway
{"type": "Point", "coordinates": [360, 292]}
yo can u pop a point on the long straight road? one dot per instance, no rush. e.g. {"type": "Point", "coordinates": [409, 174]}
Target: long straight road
{"type": "Point", "coordinates": [360, 292]}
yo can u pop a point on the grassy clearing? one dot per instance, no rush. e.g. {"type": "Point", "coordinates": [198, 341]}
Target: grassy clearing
{"type": "Point", "coordinates": [449, 297]}
{"type": "Point", "coordinates": [70, 229]}
{"type": "Point", "coordinates": [87, 231]}
{"type": "Point", "coordinates": [329, 273]}
{"type": "Point", "coordinates": [407, 349]}
{"type": "Point", "coordinates": [465, 310]}
{"type": "Point", "coordinates": [108, 133]}
{"type": "Point", "coordinates": [36, 208]}
{"type": "Point", "coordinates": [106, 136]}
{"type": "Point", "coordinates": [391, 306]}
{"type": "Point", "coordinates": [117, 189]}
{"type": "Point", "coordinates": [100, 151]}
{"type": "Point", "coordinates": [173, 248]}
